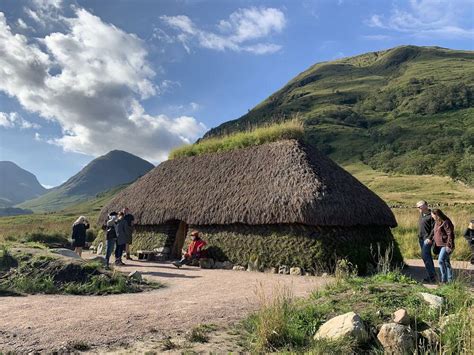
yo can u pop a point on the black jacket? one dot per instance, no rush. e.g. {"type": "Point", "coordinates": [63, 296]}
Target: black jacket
{"type": "Point", "coordinates": [469, 235]}
{"type": "Point", "coordinates": [79, 234]}
{"type": "Point", "coordinates": [426, 225]}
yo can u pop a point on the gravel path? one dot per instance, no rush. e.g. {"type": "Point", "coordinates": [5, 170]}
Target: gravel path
{"type": "Point", "coordinates": [191, 296]}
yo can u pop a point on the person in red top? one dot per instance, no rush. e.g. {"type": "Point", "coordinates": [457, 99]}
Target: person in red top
{"type": "Point", "coordinates": [443, 235]}
{"type": "Point", "coordinates": [195, 249]}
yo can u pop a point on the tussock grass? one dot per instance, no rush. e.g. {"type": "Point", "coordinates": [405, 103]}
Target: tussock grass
{"type": "Point", "coordinates": [291, 129]}
{"type": "Point", "coordinates": [285, 324]}
{"type": "Point", "coordinates": [406, 234]}
{"type": "Point", "coordinates": [38, 271]}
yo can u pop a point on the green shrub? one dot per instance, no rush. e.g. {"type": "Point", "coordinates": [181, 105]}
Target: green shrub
{"type": "Point", "coordinates": [53, 240]}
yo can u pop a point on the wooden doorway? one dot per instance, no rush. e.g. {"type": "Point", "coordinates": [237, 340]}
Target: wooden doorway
{"type": "Point", "coordinates": [179, 240]}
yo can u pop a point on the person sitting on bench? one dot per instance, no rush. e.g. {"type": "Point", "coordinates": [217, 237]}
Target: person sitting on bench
{"type": "Point", "coordinates": [194, 250]}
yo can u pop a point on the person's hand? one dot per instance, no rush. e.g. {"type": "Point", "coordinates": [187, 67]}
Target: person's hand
{"type": "Point", "coordinates": [449, 250]}
{"type": "Point", "coordinates": [428, 242]}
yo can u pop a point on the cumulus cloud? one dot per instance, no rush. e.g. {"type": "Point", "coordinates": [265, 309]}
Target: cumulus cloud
{"type": "Point", "coordinates": [14, 120]}
{"type": "Point", "coordinates": [242, 31]}
{"type": "Point", "coordinates": [428, 18]}
{"type": "Point", "coordinates": [90, 79]}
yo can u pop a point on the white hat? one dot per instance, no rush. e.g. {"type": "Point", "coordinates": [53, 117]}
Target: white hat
{"type": "Point", "coordinates": [421, 203]}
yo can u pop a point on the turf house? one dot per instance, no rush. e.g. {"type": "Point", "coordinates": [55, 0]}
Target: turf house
{"type": "Point", "coordinates": [280, 203]}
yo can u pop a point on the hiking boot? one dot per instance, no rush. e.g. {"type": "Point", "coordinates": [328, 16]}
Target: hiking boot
{"type": "Point", "coordinates": [119, 263]}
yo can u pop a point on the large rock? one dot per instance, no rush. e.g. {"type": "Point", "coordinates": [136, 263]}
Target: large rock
{"type": "Point", "coordinates": [430, 336]}
{"type": "Point", "coordinates": [434, 301]}
{"type": "Point", "coordinates": [296, 271]}
{"type": "Point", "coordinates": [238, 268]}
{"type": "Point", "coordinates": [345, 325]}
{"type": "Point", "coordinates": [65, 252]}
{"type": "Point", "coordinates": [401, 317]}
{"type": "Point", "coordinates": [135, 275]}
{"type": "Point", "coordinates": [396, 338]}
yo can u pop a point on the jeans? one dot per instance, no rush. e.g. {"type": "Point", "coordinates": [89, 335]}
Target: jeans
{"type": "Point", "coordinates": [445, 266]}
{"type": "Point", "coordinates": [110, 244]}
{"type": "Point", "coordinates": [427, 259]}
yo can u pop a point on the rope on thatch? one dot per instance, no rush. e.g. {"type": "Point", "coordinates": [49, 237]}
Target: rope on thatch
{"type": "Point", "coordinates": [274, 183]}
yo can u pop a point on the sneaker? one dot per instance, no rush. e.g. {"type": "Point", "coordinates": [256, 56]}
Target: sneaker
{"type": "Point", "coordinates": [119, 263]}
{"type": "Point", "coordinates": [177, 264]}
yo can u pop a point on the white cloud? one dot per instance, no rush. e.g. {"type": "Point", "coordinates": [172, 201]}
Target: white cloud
{"type": "Point", "coordinates": [376, 37]}
{"type": "Point", "coordinates": [22, 24]}
{"type": "Point", "coordinates": [90, 79]}
{"type": "Point", "coordinates": [242, 31]}
{"type": "Point", "coordinates": [14, 120]}
{"type": "Point", "coordinates": [428, 18]}
{"type": "Point", "coordinates": [45, 13]}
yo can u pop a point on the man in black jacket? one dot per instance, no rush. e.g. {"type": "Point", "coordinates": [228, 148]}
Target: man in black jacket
{"type": "Point", "coordinates": [425, 238]}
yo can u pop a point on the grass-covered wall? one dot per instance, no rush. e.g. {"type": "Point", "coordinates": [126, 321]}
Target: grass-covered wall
{"type": "Point", "coordinates": [315, 249]}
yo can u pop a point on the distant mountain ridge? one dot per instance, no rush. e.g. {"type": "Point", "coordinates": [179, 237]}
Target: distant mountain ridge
{"type": "Point", "coordinates": [103, 173]}
{"type": "Point", "coordinates": [17, 185]}
{"type": "Point", "coordinates": [407, 109]}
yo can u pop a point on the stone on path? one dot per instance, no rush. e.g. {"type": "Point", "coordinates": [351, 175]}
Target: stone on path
{"type": "Point", "coordinates": [345, 325]}
{"type": "Point", "coordinates": [396, 338]}
{"type": "Point", "coordinates": [284, 270]}
{"type": "Point", "coordinates": [434, 301]}
{"type": "Point", "coordinates": [238, 268]}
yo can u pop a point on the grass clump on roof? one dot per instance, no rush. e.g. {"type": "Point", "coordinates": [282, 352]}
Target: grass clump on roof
{"type": "Point", "coordinates": [292, 129]}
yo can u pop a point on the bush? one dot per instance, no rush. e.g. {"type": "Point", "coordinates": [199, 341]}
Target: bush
{"type": "Point", "coordinates": [53, 240]}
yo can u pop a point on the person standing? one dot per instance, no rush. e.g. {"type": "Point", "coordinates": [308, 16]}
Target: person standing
{"type": "Point", "coordinates": [79, 234]}
{"type": "Point", "coordinates": [122, 229]}
{"type": "Point", "coordinates": [444, 239]}
{"type": "Point", "coordinates": [425, 234]}
{"type": "Point", "coordinates": [469, 235]}
{"type": "Point", "coordinates": [130, 220]}
{"type": "Point", "coordinates": [111, 236]}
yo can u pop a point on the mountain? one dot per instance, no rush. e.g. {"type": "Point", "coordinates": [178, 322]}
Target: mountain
{"type": "Point", "coordinates": [103, 173]}
{"type": "Point", "coordinates": [408, 110]}
{"type": "Point", "coordinates": [17, 185]}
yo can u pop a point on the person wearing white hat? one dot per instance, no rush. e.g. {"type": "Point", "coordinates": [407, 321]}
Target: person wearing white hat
{"type": "Point", "coordinates": [425, 238]}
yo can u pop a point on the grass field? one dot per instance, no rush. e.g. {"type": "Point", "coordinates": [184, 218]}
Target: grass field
{"type": "Point", "coordinates": [395, 189]}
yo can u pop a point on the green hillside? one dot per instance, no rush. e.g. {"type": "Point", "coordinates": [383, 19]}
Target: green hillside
{"type": "Point", "coordinates": [408, 110]}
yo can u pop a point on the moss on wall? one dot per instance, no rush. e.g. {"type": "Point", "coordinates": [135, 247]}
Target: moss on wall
{"type": "Point", "coordinates": [315, 249]}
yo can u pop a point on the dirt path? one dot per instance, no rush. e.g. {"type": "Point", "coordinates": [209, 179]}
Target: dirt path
{"type": "Point", "coordinates": [191, 296]}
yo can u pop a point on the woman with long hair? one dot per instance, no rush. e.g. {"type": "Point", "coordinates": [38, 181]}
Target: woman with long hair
{"type": "Point", "coordinates": [79, 234]}
{"type": "Point", "coordinates": [444, 239]}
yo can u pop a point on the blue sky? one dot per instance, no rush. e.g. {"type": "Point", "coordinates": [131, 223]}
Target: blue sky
{"type": "Point", "coordinates": [80, 78]}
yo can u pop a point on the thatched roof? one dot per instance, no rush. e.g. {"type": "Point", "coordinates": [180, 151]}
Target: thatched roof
{"type": "Point", "coordinates": [275, 183]}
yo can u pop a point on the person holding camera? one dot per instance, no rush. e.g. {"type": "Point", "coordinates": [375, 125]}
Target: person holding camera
{"type": "Point", "coordinates": [79, 234]}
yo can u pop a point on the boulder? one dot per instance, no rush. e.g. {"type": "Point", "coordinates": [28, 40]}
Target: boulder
{"type": "Point", "coordinates": [296, 271]}
{"type": "Point", "coordinates": [396, 338]}
{"type": "Point", "coordinates": [434, 301]}
{"type": "Point", "coordinates": [65, 252]}
{"type": "Point", "coordinates": [284, 270]}
{"type": "Point", "coordinates": [238, 268]}
{"type": "Point", "coordinates": [345, 325]}
{"type": "Point", "coordinates": [135, 275]}
{"type": "Point", "coordinates": [401, 317]}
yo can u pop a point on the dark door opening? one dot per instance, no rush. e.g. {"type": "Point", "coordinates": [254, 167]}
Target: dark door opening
{"type": "Point", "coordinates": [179, 240]}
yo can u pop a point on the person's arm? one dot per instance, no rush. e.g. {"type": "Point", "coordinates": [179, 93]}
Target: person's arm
{"type": "Point", "coordinates": [87, 225]}
{"type": "Point", "coordinates": [449, 230]}
{"type": "Point", "coordinates": [74, 232]}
